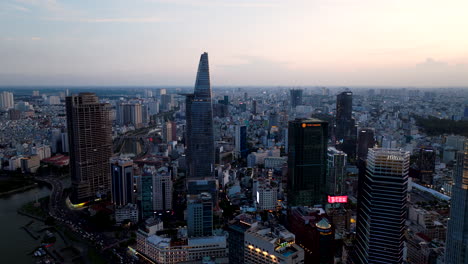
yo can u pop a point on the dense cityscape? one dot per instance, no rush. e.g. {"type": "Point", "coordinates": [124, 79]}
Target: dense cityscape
{"type": "Point", "coordinates": [206, 174]}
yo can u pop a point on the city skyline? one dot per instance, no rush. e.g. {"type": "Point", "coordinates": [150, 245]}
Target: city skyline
{"type": "Point", "coordinates": [295, 43]}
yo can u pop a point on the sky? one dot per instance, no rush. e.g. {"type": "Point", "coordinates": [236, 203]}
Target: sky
{"type": "Point", "coordinates": [250, 42]}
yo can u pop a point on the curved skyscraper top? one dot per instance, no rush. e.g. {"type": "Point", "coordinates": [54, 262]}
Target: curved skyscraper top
{"type": "Point", "coordinates": [199, 114]}
{"type": "Point", "coordinates": [202, 83]}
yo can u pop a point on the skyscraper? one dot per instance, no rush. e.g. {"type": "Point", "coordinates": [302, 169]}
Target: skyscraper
{"type": "Point", "coordinates": [457, 233]}
{"type": "Point", "coordinates": [241, 141]}
{"type": "Point", "coordinates": [199, 114]}
{"type": "Point", "coordinates": [336, 171]}
{"type": "Point", "coordinates": [307, 162]}
{"type": "Point", "coordinates": [382, 208]}
{"type": "Point", "coordinates": [345, 125]}
{"type": "Point", "coordinates": [296, 97]}
{"type": "Point", "coordinates": [90, 142]}
{"type": "Point", "coordinates": [122, 181]}
{"type": "Point", "coordinates": [426, 164]}
{"type": "Point", "coordinates": [366, 141]}
{"type": "Point", "coordinates": [162, 189]}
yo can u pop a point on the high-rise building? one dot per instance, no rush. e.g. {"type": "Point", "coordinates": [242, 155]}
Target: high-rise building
{"type": "Point", "coordinates": [6, 100]}
{"type": "Point", "coordinates": [162, 189]}
{"type": "Point", "coordinates": [167, 102]}
{"type": "Point", "coordinates": [382, 208]}
{"type": "Point", "coordinates": [122, 181]}
{"type": "Point", "coordinates": [199, 115]}
{"type": "Point", "coordinates": [336, 171]}
{"type": "Point", "coordinates": [366, 140]}
{"type": "Point", "coordinates": [345, 125]}
{"type": "Point", "coordinates": [307, 162]}
{"type": "Point", "coordinates": [426, 164]}
{"type": "Point", "coordinates": [146, 194]}
{"type": "Point", "coordinates": [130, 114]}
{"type": "Point", "coordinates": [457, 234]}
{"type": "Point", "coordinates": [296, 97]}
{"type": "Point", "coordinates": [241, 141]}
{"type": "Point", "coordinates": [169, 131]}
{"type": "Point", "coordinates": [254, 107]}
{"type": "Point", "coordinates": [199, 215]}
{"type": "Point", "coordinates": [90, 142]}
{"type": "Point", "coordinates": [236, 239]}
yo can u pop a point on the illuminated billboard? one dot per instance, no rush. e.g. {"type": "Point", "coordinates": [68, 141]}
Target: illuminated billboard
{"type": "Point", "coordinates": [337, 199]}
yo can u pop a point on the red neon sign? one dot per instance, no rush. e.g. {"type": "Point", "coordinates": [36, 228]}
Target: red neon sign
{"type": "Point", "coordinates": [337, 199]}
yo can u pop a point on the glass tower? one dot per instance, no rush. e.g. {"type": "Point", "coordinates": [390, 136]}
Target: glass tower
{"type": "Point", "coordinates": [199, 114]}
{"type": "Point", "coordinates": [307, 162]}
{"type": "Point", "coordinates": [457, 234]}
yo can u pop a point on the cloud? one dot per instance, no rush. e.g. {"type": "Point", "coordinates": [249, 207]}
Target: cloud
{"type": "Point", "coordinates": [17, 8]}
{"type": "Point", "coordinates": [107, 20]}
{"type": "Point", "coordinates": [122, 20]}
{"type": "Point", "coordinates": [221, 3]}
{"type": "Point", "coordinates": [35, 38]}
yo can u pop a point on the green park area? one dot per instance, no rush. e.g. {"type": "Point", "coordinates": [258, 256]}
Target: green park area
{"type": "Point", "coordinates": [434, 126]}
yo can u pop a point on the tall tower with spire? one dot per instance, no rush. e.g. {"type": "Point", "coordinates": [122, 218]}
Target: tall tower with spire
{"type": "Point", "coordinates": [199, 129]}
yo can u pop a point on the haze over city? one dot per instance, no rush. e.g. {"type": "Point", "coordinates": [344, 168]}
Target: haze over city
{"type": "Point", "coordinates": [251, 42]}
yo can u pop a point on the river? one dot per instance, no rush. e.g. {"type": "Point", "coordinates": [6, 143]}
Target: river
{"type": "Point", "coordinates": [15, 243]}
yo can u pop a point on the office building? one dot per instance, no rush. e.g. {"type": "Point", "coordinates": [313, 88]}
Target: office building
{"type": "Point", "coordinates": [366, 140]}
{"type": "Point", "coordinates": [146, 194]}
{"type": "Point", "coordinates": [296, 97]}
{"type": "Point", "coordinates": [199, 215]}
{"type": "Point", "coordinates": [90, 142]}
{"type": "Point", "coordinates": [457, 234]}
{"type": "Point", "coordinates": [382, 208]}
{"type": "Point", "coordinates": [345, 125]}
{"type": "Point", "coordinates": [199, 129]}
{"type": "Point", "coordinates": [236, 240]}
{"type": "Point", "coordinates": [307, 162]}
{"type": "Point", "coordinates": [336, 171]}
{"type": "Point", "coordinates": [241, 141]}
{"type": "Point", "coordinates": [426, 165]}
{"type": "Point", "coordinates": [6, 101]}
{"type": "Point", "coordinates": [162, 189]}
{"type": "Point", "coordinates": [122, 181]}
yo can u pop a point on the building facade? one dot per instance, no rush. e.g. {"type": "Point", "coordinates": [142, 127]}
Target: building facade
{"type": "Point", "coordinates": [457, 235]}
{"type": "Point", "coordinates": [307, 162]}
{"type": "Point", "coordinates": [382, 208]}
{"type": "Point", "coordinates": [122, 181]}
{"type": "Point", "coordinates": [199, 130]}
{"type": "Point", "coordinates": [199, 215]}
{"type": "Point", "coordinates": [90, 141]}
